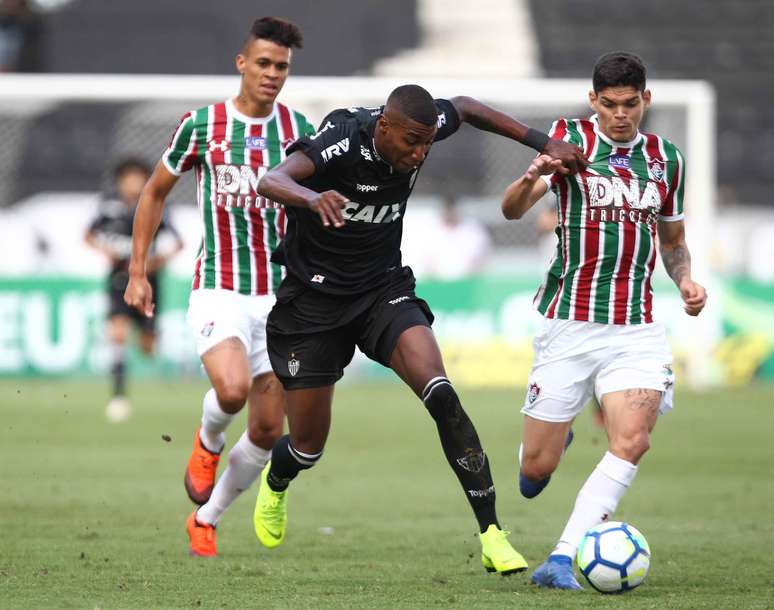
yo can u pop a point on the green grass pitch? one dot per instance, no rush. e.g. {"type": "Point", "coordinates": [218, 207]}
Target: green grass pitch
{"type": "Point", "coordinates": [92, 513]}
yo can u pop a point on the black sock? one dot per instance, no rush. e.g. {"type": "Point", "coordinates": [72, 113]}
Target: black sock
{"type": "Point", "coordinates": [286, 463]}
{"type": "Point", "coordinates": [118, 373]}
{"type": "Point", "coordinates": [463, 449]}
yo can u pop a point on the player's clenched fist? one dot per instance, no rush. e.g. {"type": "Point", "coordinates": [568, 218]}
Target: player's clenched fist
{"type": "Point", "coordinates": [570, 156]}
{"type": "Point", "coordinates": [542, 165]}
{"type": "Point", "coordinates": [694, 296]}
{"type": "Point", "coordinates": [329, 206]}
{"type": "Point", "coordinates": [139, 295]}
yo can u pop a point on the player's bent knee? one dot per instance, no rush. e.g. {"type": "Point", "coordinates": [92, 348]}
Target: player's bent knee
{"type": "Point", "coordinates": [631, 447]}
{"type": "Point", "coordinates": [537, 469]}
{"type": "Point", "coordinates": [441, 400]}
{"type": "Point", "coordinates": [264, 434]}
{"type": "Point", "coordinates": [232, 395]}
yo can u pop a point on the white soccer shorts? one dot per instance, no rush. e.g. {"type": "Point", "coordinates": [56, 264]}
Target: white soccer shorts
{"type": "Point", "coordinates": [576, 360]}
{"type": "Point", "coordinates": [217, 314]}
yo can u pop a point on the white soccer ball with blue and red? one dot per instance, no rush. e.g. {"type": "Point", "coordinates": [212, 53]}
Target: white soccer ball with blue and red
{"type": "Point", "coordinates": [614, 557]}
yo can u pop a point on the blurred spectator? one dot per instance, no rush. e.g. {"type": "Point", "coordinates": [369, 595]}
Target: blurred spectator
{"type": "Point", "coordinates": [20, 28]}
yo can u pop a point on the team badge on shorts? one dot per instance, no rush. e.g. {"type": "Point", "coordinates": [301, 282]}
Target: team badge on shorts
{"type": "Point", "coordinates": [293, 365]}
{"type": "Point", "coordinates": [207, 329]}
{"type": "Point", "coordinates": [533, 392]}
{"type": "Point", "coordinates": [669, 376]}
{"type": "Point", "coordinates": [473, 461]}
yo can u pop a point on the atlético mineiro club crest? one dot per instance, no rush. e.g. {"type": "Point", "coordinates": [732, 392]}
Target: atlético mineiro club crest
{"type": "Point", "coordinates": [656, 170]}
{"type": "Point", "coordinates": [218, 145]}
{"type": "Point", "coordinates": [473, 461]}
{"type": "Point", "coordinates": [293, 365]}
{"type": "Point", "coordinates": [533, 392]}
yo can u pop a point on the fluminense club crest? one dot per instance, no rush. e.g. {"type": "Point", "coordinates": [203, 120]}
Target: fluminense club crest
{"type": "Point", "coordinates": [293, 365]}
{"type": "Point", "coordinates": [656, 170]}
{"type": "Point", "coordinates": [533, 392]}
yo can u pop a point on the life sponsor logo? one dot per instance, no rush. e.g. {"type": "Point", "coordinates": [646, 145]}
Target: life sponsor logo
{"type": "Point", "coordinates": [335, 150]}
{"type": "Point", "coordinates": [255, 143]}
{"type": "Point", "coordinates": [376, 214]}
{"type": "Point", "coordinates": [236, 187]}
{"type": "Point", "coordinates": [623, 199]}
{"type": "Point", "coordinates": [619, 161]}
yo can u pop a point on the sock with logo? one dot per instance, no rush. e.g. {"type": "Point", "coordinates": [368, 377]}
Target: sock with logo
{"type": "Point", "coordinates": [287, 462]}
{"type": "Point", "coordinates": [463, 450]}
{"type": "Point", "coordinates": [596, 501]}
{"type": "Point", "coordinates": [214, 421]}
{"type": "Point", "coordinates": [118, 368]}
{"type": "Point", "coordinates": [245, 463]}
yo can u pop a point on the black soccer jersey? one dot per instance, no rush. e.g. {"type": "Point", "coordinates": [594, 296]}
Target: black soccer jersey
{"type": "Point", "coordinates": [113, 228]}
{"type": "Point", "coordinates": [356, 257]}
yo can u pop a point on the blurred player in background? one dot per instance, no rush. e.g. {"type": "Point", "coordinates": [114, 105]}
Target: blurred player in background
{"type": "Point", "coordinates": [598, 336]}
{"type": "Point", "coordinates": [230, 145]}
{"type": "Point", "coordinates": [347, 189]}
{"type": "Point", "coordinates": [111, 233]}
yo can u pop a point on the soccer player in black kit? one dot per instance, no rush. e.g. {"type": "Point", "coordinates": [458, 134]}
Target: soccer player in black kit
{"type": "Point", "coordinates": [111, 233]}
{"type": "Point", "coordinates": [345, 190]}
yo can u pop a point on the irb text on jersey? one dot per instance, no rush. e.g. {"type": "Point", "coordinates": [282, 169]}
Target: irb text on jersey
{"type": "Point", "coordinates": [336, 149]}
{"type": "Point", "coordinates": [357, 212]}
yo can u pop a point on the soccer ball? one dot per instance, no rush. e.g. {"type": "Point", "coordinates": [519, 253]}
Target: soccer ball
{"type": "Point", "coordinates": [614, 557]}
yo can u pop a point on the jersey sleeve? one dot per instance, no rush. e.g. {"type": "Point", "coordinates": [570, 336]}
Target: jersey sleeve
{"type": "Point", "coordinates": [672, 208]}
{"type": "Point", "coordinates": [448, 119]}
{"type": "Point", "coordinates": [336, 144]}
{"type": "Point", "coordinates": [559, 131]}
{"type": "Point", "coordinates": [182, 152]}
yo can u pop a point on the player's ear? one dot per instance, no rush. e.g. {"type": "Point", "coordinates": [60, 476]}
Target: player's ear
{"type": "Point", "coordinates": [646, 97]}
{"type": "Point", "coordinates": [240, 62]}
{"type": "Point", "coordinates": [592, 98]}
{"type": "Point", "coordinates": [383, 124]}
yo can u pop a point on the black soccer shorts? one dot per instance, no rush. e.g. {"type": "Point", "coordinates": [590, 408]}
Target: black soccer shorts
{"type": "Point", "coordinates": [117, 282]}
{"type": "Point", "coordinates": [311, 335]}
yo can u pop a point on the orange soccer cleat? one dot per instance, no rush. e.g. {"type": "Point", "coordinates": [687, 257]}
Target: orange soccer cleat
{"type": "Point", "coordinates": [202, 536]}
{"type": "Point", "coordinates": [200, 472]}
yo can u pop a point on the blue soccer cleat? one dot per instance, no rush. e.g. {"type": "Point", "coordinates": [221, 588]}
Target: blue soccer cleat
{"type": "Point", "coordinates": [556, 573]}
{"type": "Point", "coordinates": [528, 488]}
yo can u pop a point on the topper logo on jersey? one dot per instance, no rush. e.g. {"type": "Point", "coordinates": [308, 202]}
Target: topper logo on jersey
{"type": "Point", "coordinates": [376, 214]}
{"type": "Point", "coordinates": [620, 199]}
{"type": "Point", "coordinates": [367, 188]}
{"type": "Point", "coordinates": [335, 150]}
{"type": "Point", "coordinates": [235, 187]}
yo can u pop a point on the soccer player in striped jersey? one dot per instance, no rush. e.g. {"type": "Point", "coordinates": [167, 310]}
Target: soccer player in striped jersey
{"type": "Point", "coordinates": [598, 336]}
{"type": "Point", "coordinates": [229, 145]}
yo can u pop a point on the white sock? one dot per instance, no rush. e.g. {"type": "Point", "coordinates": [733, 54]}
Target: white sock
{"type": "Point", "coordinates": [214, 421]}
{"type": "Point", "coordinates": [596, 501]}
{"type": "Point", "coordinates": [245, 463]}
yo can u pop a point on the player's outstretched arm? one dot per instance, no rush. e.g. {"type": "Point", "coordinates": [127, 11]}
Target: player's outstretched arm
{"type": "Point", "coordinates": [677, 262]}
{"type": "Point", "coordinates": [281, 184]}
{"type": "Point", "coordinates": [138, 293]}
{"type": "Point", "coordinates": [486, 118]}
{"type": "Point", "coordinates": [521, 195]}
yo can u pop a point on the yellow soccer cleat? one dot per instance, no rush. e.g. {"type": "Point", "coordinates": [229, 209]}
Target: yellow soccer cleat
{"type": "Point", "coordinates": [498, 555]}
{"type": "Point", "coordinates": [271, 513]}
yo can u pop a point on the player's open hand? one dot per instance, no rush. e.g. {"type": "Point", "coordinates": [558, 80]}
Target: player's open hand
{"type": "Point", "coordinates": [694, 296]}
{"type": "Point", "coordinates": [572, 158]}
{"type": "Point", "coordinates": [542, 165]}
{"type": "Point", "coordinates": [139, 295]}
{"type": "Point", "coordinates": [329, 206]}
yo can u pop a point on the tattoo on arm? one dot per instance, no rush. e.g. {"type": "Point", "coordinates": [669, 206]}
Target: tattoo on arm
{"type": "Point", "coordinates": [677, 262]}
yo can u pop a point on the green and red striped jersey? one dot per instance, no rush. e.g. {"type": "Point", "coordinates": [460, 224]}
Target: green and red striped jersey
{"type": "Point", "coordinates": [607, 216]}
{"type": "Point", "coordinates": [230, 152]}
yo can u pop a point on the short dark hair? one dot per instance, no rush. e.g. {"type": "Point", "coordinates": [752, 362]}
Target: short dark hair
{"type": "Point", "coordinates": [619, 69]}
{"type": "Point", "coordinates": [280, 31]}
{"type": "Point", "coordinates": [131, 164]}
{"type": "Point", "coordinates": [415, 103]}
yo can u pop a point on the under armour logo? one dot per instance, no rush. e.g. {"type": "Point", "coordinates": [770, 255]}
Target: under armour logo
{"type": "Point", "coordinates": [220, 145]}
